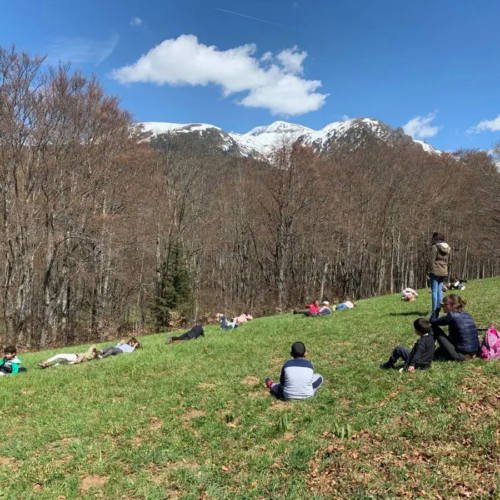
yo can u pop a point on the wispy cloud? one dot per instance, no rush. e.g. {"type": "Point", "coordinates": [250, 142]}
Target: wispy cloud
{"type": "Point", "coordinates": [295, 5]}
{"type": "Point", "coordinates": [136, 21]}
{"type": "Point", "coordinates": [421, 127]}
{"type": "Point", "coordinates": [273, 82]}
{"type": "Point", "coordinates": [486, 126]}
{"type": "Point", "coordinates": [81, 50]}
{"type": "Point", "coordinates": [248, 17]}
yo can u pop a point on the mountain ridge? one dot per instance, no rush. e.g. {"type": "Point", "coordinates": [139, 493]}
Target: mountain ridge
{"type": "Point", "coordinates": [259, 141]}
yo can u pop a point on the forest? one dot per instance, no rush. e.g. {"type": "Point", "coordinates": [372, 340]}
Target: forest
{"type": "Point", "coordinates": [106, 230]}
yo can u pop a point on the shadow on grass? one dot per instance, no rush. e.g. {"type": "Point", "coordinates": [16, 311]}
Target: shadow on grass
{"type": "Point", "coordinates": [411, 313]}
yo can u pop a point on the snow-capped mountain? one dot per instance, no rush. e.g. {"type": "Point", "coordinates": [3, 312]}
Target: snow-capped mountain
{"type": "Point", "coordinates": [258, 142]}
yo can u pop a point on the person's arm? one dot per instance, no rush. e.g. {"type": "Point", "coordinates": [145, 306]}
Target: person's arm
{"type": "Point", "coordinates": [415, 357]}
{"type": "Point", "coordinates": [440, 321]}
{"type": "Point", "coordinates": [282, 377]}
{"type": "Point", "coordinates": [432, 258]}
{"type": "Point", "coordinates": [2, 361]}
{"type": "Point", "coordinates": [15, 368]}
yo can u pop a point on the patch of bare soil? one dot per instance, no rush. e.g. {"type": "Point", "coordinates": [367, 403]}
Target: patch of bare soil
{"type": "Point", "coordinates": [250, 380]}
{"type": "Point", "coordinates": [93, 481]}
{"type": "Point", "coordinates": [155, 423]}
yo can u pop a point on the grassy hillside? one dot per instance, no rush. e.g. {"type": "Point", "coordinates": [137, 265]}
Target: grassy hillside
{"type": "Point", "coordinates": [194, 420]}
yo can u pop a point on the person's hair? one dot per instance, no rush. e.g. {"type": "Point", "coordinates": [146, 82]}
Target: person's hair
{"type": "Point", "coordinates": [422, 325]}
{"type": "Point", "coordinates": [133, 339]}
{"type": "Point", "coordinates": [437, 236]}
{"type": "Point", "coordinates": [10, 349]}
{"type": "Point", "coordinates": [456, 302]}
{"type": "Point", "coordinates": [298, 350]}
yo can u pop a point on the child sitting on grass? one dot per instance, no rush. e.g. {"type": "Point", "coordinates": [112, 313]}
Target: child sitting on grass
{"type": "Point", "coordinates": [70, 359]}
{"type": "Point", "coordinates": [297, 380]}
{"type": "Point", "coordinates": [422, 353]}
{"type": "Point", "coordinates": [120, 348]}
{"type": "Point", "coordinates": [9, 364]}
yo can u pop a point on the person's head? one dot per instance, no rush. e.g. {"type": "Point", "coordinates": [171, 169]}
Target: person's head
{"type": "Point", "coordinates": [298, 350]}
{"type": "Point", "coordinates": [453, 303]}
{"type": "Point", "coordinates": [325, 303]}
{"type": "Point", "coordinates": [316, 303]}
{"type": "Point", "coordinates": [10, 351]}
{"type": "Point", "coordinates": [133, 342]}
{"type": "Point", "coordinates": [422, 326]}
{"type": "Point", "coordinates": [437, 237]}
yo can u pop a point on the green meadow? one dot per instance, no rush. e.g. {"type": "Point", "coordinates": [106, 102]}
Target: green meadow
{"type": "Point", "coordinates": [194, 420]}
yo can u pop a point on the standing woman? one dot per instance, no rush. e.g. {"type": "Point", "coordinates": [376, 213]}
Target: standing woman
{"type": "Point", "coordinates": [438, 268]}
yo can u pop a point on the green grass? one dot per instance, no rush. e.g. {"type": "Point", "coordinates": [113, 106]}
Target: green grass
{"type": "Point", "coordinates": [189, 421]}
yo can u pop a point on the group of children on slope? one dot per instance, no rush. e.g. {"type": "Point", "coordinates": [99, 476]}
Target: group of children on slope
{"type": "Point", "coordinates": [461, 343]}
{"type": "Point", "coordinates": [314, 310]}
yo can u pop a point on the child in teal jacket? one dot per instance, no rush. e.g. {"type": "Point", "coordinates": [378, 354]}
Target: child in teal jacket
{"type": "Point", "coordinates": [10, 363]}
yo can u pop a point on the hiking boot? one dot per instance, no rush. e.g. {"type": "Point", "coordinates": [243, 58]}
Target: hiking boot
{"type": "Point", "coordinates": [269, 382]}
{"type": "Point", "coordinates": [43, 364]}
{"type": "Point", "coordinates": [386, 366]}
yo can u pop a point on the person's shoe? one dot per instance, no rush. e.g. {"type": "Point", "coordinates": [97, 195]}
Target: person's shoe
{"type": "Point", "coordinates": [43, 364]}
{"type": "Point", "coordinates": [386, 366]}
{"type": "Point", "coordinates": [294, 311]}
{"type": "Point", "coordinates": [269, 382]}
{"type": "Point", "coordinates": [169, 340]}
{"type": "Point", "coordinates": [99, 356]}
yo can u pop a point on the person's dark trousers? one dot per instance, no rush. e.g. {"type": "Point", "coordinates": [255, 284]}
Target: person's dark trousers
{"type": "Point", "coordinates": [399, 352]}
{"type": "Point", "coordinates": [184, 336]}
{"type": "Point", "coordinates": [446, 350]}
{"type": "Point", "coordinates": [223, 324]}
{"type": "Point", "coordinates": [111, 351]}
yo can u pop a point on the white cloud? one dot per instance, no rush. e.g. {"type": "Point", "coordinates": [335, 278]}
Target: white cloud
{"type": "Point", "coordinates": [136, 21]}
{"type": "Point", "coordinates": [486, 125]}
{"type": "Point", "coordinates": [292, 60]}
{"type": "Point", "coordinates": [276, 86]}
{"type": "Point", "coordinates": [421, 127]}
{"type": "Point", "coordinates": [81, 50]}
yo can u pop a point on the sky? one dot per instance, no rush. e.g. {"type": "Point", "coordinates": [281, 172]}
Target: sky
{"type": "Point", "coordinates": [430, 66]}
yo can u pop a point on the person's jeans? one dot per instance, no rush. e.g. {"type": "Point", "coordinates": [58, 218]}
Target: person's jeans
{"type": "Point", "coordinates": [111, 351]}
{"type": "Point", "coordinates": [224, 325]}
{"type": "Point", "coordinates": [398, 353]}
{"type": "Point", "coordinates": [437, 290]}
{"type": "Point", "coordinates": [277, 389]}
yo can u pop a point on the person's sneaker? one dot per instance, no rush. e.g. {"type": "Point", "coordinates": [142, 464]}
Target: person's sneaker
{"type": "Point", "coordinates": [386, 366]}
{"type": "Point", "coordinates": [99, 356]}
{"type": "Point", "coordinates": [169, 340]}
{"type": "Point", "coordinates": [269, 382]}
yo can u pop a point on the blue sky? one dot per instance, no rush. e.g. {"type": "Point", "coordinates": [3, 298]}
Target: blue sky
{"type": "Point", "coordinates": [432, 65]}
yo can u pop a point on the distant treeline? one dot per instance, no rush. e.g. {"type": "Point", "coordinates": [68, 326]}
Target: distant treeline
{"type": "Point", "coordinates": [102, 229]}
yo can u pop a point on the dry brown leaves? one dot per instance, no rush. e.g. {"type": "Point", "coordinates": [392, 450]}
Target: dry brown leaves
{"type": "Point", "coordinates": [367, 464]}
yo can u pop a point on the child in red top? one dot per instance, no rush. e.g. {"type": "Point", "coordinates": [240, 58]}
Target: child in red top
{"type": "Point", "coordinates": [312, 309]}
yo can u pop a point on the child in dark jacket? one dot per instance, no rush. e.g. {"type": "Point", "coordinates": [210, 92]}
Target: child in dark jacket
{"type": "Point", "coordinates": [422, 353]}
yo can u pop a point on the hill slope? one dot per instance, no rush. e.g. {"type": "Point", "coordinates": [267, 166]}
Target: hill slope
{"type": "Point", "coordinates": [193, 420]}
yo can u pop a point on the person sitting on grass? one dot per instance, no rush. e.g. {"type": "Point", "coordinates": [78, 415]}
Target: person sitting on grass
{"type": "Point", "coordinates": [462, 341]}
{"type": "Point", "coordinates": [422, 353]}
{"type": "Point", "coordinates": [227, 325]}
{"type": "Point", "coordinates": [70, 359]}
{"type": "Point", "coordinates": [10, 363]}
{"type": "Point", "coordinates": [297, 380]}
{"type": "Point", "coordinates": [325, 308]}
{"type": "Point", "coordinates": [194, 333]}
{"type": "Point", "coordinates": [312, 309]}
{"type": "Point", "coordinates": [120, 348]}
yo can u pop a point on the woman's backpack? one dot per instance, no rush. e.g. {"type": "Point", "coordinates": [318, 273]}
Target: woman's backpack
{"type": "Point", "coordinates": [490, 346]}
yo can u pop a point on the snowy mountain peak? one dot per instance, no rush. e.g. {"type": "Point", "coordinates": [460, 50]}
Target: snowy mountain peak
{"type": "Point", "coordinates": [279, 127]}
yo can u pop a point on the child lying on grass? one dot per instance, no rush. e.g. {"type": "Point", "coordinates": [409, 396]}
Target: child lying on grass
{"type": "Point", "coordinates": [422, 353]}
{"type": "Point", "coordinates": [10, 363]}
{"type": "Point", "coordinates": [194, 333]}
{"type": "Point", "coordinates": [120, 348]}
{"type": "Point", "coordinates": [70, 359]}
{"type": "Point", "coordinates": [297, 380]}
